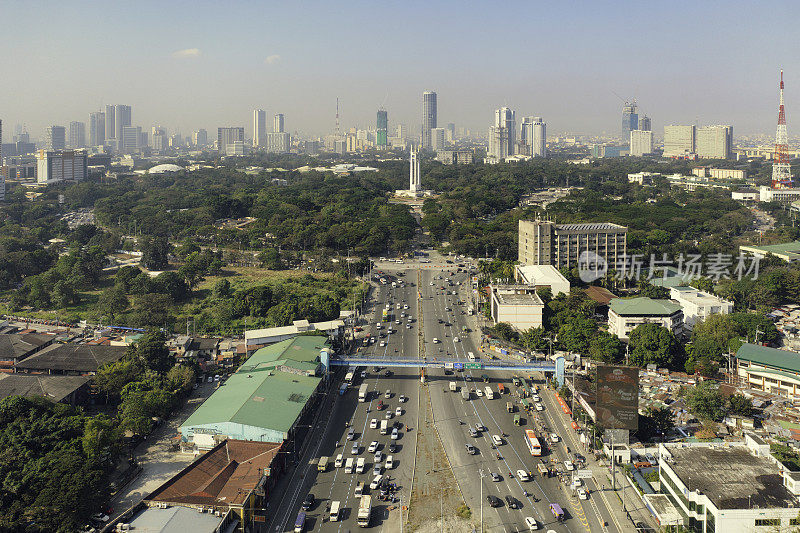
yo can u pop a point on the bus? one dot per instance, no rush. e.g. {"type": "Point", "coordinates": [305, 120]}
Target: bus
{"type": "Point", "coordinates": [533, 443]}
{"type": "Point", "coordinates": [385, 317]}
{"type": "Point", "coordinates": [362, 393]}
{"type": "Point", "coordinates": [558, 513]}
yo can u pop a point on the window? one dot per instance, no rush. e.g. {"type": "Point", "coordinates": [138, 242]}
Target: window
{"type": "Point", "coordinates": [768, 521]}
{"type": "Point", "coordinates": [794, 521]}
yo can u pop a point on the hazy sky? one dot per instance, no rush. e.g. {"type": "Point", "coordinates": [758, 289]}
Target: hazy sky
{"type": "Point", "coordinates": [192, 64]}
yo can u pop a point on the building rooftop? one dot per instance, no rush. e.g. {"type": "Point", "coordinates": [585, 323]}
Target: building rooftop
{"type": "Point", "coordinates": [788, 250]}
{"type": "Point", "coordinates": [541, 274]}
{"type": "Point", "coordinates": [18, 346]}
{"type": "Point", "coordinates": [299, 326]}
{"type": "Point", "coordinates": [592, 227]}
{"type": "Point", "coordinates": [72, 358]}
{"type": "Point", "coordinates": [695, 296]}
{"type": "Point", "coordinates": [771, 357]}
{"type": "Point", "coordinates": [643, 307]}
{"type": "Point", "coordinates": [600, 295]}
{"type": "Point", "coordinates": [54, 388]}
{"type": "Point", "coordinates": [222, 477]}
{"type": "Point", "coordinates": [732, 477]}
{"type": "Point", "coordinates": [175, 520]}
{"type": "Point", "coordinates": [518, 299]}
{"type": "Point", "coordinates": [269, 390]}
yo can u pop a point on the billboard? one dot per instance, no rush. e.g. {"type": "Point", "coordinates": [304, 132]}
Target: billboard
{"type": "Point", "coordinates": [618, 397]}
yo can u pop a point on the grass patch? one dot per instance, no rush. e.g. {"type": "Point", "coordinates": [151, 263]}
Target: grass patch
{"type": "Point", "coordinates": [463, 511]}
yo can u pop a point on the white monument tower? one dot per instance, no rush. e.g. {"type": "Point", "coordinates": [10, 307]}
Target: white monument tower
{"type": "Point", "coordinates": [415, 180]}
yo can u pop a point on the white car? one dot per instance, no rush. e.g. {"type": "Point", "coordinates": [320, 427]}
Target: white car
{"type": "Point", "coordinates": [382, 344]}
{"type": "Point", "coordinates": [577, 482]}
{"type": "Point", "coordinates": [373, 424]}
{"type": "Point", "coordinates": [375, 482]}
{"type": "Point", "coordinates": [378, 326]}
{"type": "Point", "coordinates": [456, 339]}
{"type": "Point", "coordinates": [389, 415]}
{"type": "Point", "coordinates": [405, 306]}
{"type": "Point", "coordinates": [535, 398]}
{"type": "Point", "coordinates": [378, 456]}
{"type": "Point", "coordinates": [373, 447]}
{"type": "Point", "coordinates": [403, 398]}
{"type": "Point", "coordinates": [387, 394]}
{"type": "Point", "coordinates": [389, 462]}
{"type": "Point", "coordinates": [553, 438]}
{"type": "Point", "coordinates": [531, 523]}
{"type": "Point", "coordinates": [479, 393]}
{"type": "Point", "coordinates": [569, 466]}
{"type": "Point", "coordinates": [539, 407]}
{"type": "Point", "coordinates": [497, 440]}
{"type": "Point", "coordinates": [582, 494]}
{"type": "Point", "coordinates": [523, 475]}
{"type": "Point", "coordinates": [435, 340]}
{"type": "Point", "coordinates": [398, 411]}
{"type": "Point", "coordinates": [395, 434]}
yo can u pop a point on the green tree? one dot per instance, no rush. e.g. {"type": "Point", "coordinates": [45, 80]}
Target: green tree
{"type": "Point", "coordinates": [155, 252]}
{"type": "Point", "coordinates": [739, 404]}
{"type": "Point", "coordinates": [576, 334]}
{"type": "Point", "coordinates": [706, 401]}
{"type": "Point", "coordinates": [152, 310]}
{"type": "Point", "coordinates": [113, 301]}
{"type": "Point", "coordinates": [152, 351]}
{"type": "Point", "coordinates": [536, 340]}
{"type": "Point", "coordinates": [656, 422]}
{"type": "Point", "coordinates": [653, 343]}
{"type": "Point", "coordinates": [270, 258]}
{"type": "Point", "coordinates": [222, 289]}
{"type": "Point", "coordinates": [504, 331]}
{"type": "Point", "coordinates": [102, 438]}
{"type": "Point", "coordinates": [111, 378]}
{"type": "Point", "coordinates": [606, 347]}
{"type": "Point", "coordinates": [180, 379]}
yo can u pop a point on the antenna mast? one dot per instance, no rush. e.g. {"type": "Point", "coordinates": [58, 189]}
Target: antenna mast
{"type": "Point", "coordinates": [781, 169]}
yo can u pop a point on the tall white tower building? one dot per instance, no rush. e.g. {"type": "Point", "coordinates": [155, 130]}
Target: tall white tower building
{"type": "Point", "coordinates": [429, 117]}
{"type": "Point", "coordinates": [259, 127]}
{"type": "Point", "coordinates": [415, 181]}
{"type": "Point", "coordinates": [503, 135]}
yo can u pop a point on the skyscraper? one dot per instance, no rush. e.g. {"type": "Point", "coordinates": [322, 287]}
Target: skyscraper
{"type": "Point", "coordinates": [381, 129]}
{"type": "Point", "coordinates": [278, 142]}
{"type": "Point", "coordinates": [502, 136]}
{"type": "Point", "coordinates": [715, 142]}
{"type": "Point", "coordinates": [226, 136]}
{"type": "Point", "coordinates": [438, 139]}
{"type": "Point", "coordinates": [111, 129]}
{"type": "Point", "coordinates": [679, 141]}
{"type": "Point", "coordinates": [451, 132]}
{"type": "Point", "coordinates": [55, 138]}
{"type": "Point", "coordinates": [641, 142]}
{"type": "Point", "coordinates": [97, 128]}
{"type": "Point", "coordinates": [77, 134]}
{"type": "Point", "coordinates": [278, 125]}
{"type": "Point", "coordinates": [644, 123]}
{"type": "Point", "coordinates": [200, 138]}
{"type": "Point", "coordinates": [428, 117]}
{"type": "Point", "coordinates": [259, 127]}
{"type": "Point", "coordinates": [122, 118]}
{"type": "Point", "coordinates": [630, 120]}
{"type": "Point", "coordinates": [537, 137]}
{"type": "Point", "coordinates": [130, 139]}
{"type": "Point", "coordinates": [61, 165]}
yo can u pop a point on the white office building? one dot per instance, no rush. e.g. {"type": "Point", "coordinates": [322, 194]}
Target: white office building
{"type": "Point", "coordinates": [438, 139]}
{"type": "Point", "coordinates": [698, 305]}
{"type": "Point", "coordinates": [502, 136]}
{"type": "Point", "coordinates": [641, 143]}
{"type": "Point", "coordinates": [715, 142]}
{"type": "Point", "coordinates": [517, 305]}
{"type": "Point", "coordinates": [279, 123]}
{"type": "Point", "coordinates": [59, 165]}
{"type": "Point", "coordinates": [259, 127]}
{"type": "Point", "coordinates": [130, 140]}
{"type": "Point", "coordinates": [542, 276]}
{"type": "Point", "coordinates": [624, 314]}
{"type": "Point", "coordinates": [278, 142]}
{"type": "Point", "coordinates": [679, 141]}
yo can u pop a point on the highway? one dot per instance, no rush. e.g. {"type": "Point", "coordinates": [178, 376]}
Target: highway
{"type": "Point", "coordinates": [439, 315]}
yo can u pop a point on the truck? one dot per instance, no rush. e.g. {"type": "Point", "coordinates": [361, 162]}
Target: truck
{"type": "Point", "coordinates": [464, 393]}
{"type": "Point", "coordinates": [543, 470]}
{"type": "Point", "coordinates": [360, 465]}
{"type": "Point", "coordinates": [362, 393]}
{"type": "Point", "coordinates": [384, 427]}
{"type": "Point", "coordinates": [364, 510]}
{"type": "Point", "coordinates": [471, 356]}
{"type": "Point", "coordinates": [333, 515]}
{"type": "Point", "coordinates": [489, 393]}
{"type": "Point", "coordinates": [453, 387]}
{"type": "Point", "coordinates": [501, 388]}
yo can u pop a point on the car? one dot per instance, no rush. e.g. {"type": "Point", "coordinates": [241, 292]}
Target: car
{"type": "Point", "coordinates": [210, 379]}
{"type": "Point", "coordinates": [387, 373]}
{"type": "Point", "coordinates": [397, 322]}
{"type": "Point", "coordinates": [392, 447]}
{"type": "Point", "coordinates": [480, 427]}
{"type": "Point", "coordinates": [403, 398]}
{"type": "Point", "coordinates": [531, 523]}
{"type": "Point", "coordinates": [577, 482]}
{"type": "Point", "coordinates": [378, 456]}
{"type": "Point", "coordinates": [512, 503]}
{"type": "Point", "coordinates": [351, 434]}
{"type": "Point", "coordinates": [387, 394]}
{"type": "Point", "coordinates": [497, 440]}
{"type": "Point", "coordinates": [456, 339]}
{"type": "Point", "coordinates": [494, 501]}
{"type": "Point", "coordinates": [495, 477]}
{"type": "Point", "coordinates": [408, 326]}
{"type": "Point", "coordinates": [378, 326]}
{"type": "Point", "coordinates": [478, 393]}
{"type": "Point", "coordinates": [539, 407]}
{"type": "Point", "coordinates": [582, 494]}
{"type": "Point", "coordinates": [101, 517]}
{"type": "Point", "coordinates": [381, 405]}
{"type": "Point", "coordinates": [523, 475]}
{"type": "Point", "coordinates": [553, 438]}
{"type": "Point", "coordinates": [364, 372]}
{"type": "Point", "coordinates": [373, 424]}
{"type": "Point", "coordinates": [389, 462]}
{"type": "Point", "coordinates": [535, 398]}
{"type": "Point", "coordinates": [468, 378]}
{"type": "Point", "coordinates": [473, 433]}
{"type": "Point", "coordinates": [376, 482]}
{"type": "Point", "coordinates": [382, 344]}
{"type": "Point", "coordinates": [308, 502]}
{"type": "Point", "coordinates": [569, 466]}
{"type": "Point", "coordinates": [395, 434]}
{"type": "Point", "coordinates": [373, 447]}
{"type": "Point", "coordinates": [471, 449]}
{"type": "Point", "coordinates": [356, 449]}
{"type": "Point", "coordinates": [376, 369]}
{"type": "Point", "coordinates": [436, 340]}
{"type": "Point", "coordinates": [398, 411]}
{"type": "Point", "coordinates": [388, 415]}
{"type": "Point", "coordinates": [652, 459]}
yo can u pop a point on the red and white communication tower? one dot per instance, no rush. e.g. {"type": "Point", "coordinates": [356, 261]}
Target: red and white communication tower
{"type": "Point", "coordinates": [781, 169]}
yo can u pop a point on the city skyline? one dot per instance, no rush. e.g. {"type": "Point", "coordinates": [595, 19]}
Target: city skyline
{"type": "Point", "coordinates": [574, 88]}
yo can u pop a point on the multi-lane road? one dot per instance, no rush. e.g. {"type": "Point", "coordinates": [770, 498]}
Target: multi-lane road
{"type": "Point", "coordinates": [437, 300]}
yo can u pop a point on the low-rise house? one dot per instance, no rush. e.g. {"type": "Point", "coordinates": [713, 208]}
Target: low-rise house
{"type": "Point", "coordinates": [624, 314]}
{"type": "Point", "coordinates": [698, 305]}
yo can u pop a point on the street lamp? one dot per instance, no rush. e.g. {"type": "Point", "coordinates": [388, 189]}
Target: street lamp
{"type": "Point", "coordinates": [481, 474]}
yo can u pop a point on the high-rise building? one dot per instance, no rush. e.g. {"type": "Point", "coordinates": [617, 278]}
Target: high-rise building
{"type": "Point", "coordinates": [644, 123]}
{"type": "Point", "coordinates": [533, 136]}
{"type": "Point", "coordinates": [55, 138]}
{"type": "Point", "coordinates": [158, 135]}
{"type": "Point", "coordinates": [277, 124]}
{"type": "Point", "coordinates": [259, 127]}
{"type": "Point", "coordinates": [97, 128]}
{"type": "Point", "coordinates": [428, 117]}
{"type": "Point", "coordinates": [59, 165]}
{"type": "Point", "coordinates": [122, 118]}
{"type": "Point", "coordinates": [451, 132]}
{"type": "Point", "coordinates": [438, 139]}
{"type": "Point", "coordinates": [714, 142]}
{"type": "Point", "coordinates": [542, 242]}
{"type": "Point", "coordinates": [679, 141]}
{"type": "Point", "coordinates": [77, 134]}
{"type": "Point", "coordinates": [226, 136]}
{"type": "Point", "coordinates": [502, 136]}
{"type": "Point", "coordinates": [401, 131]}
{"type": "Point", "coordinates": [381, 129]}
{"type": "Point", "coordinates": [641, 142]}
{"type": "Point", "coordinates": [278, 142]}
{"type": "Point", "coordinates": [130, 139]}
{"type": "Point", "coordinates": [111, 128]}
{"type": "Point", "coordinates": [200, 138]}
{"type": "Point", "coordinates": [630, 120]}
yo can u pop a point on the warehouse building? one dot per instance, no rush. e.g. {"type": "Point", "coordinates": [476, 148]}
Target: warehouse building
{"type": "Point", "coordinates": [268, 399]}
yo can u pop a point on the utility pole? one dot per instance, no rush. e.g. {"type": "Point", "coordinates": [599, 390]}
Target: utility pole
{"type": "Point", "coordinates": [481, 473]}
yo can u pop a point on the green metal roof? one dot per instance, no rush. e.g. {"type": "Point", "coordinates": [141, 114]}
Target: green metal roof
{"type": "Point", "coordinates": [643, 307]}
{"type": "Point", "coordinates": [260, 396]}
{"type": "Point", "coordinates": [772, 357]}
{"type": "Point", "coordinates": [789, 249]}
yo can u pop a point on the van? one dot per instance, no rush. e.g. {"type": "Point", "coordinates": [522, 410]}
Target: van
{"type": "Point", "coordinates": [453, 386]}
{"type": "Point", "coordinates": [471, 356]}
{"type": "Point", "coordinates": [322, 465]}
{"type": "Point", "coordinates": [384, 427]}
{"type": "Point", "coordinates": [348, 466]}
{"type": "Point", "coordinates": [376, 482]}
{"type": "Point", "coordinates": [359, 489]}
{"type": "Point", "coordinates": [509, 407]}
{"type": "Point", "coordinates": [334, 512]}
{"type": "Point", "coordinates": [360, 465]}
{"type": "Point", "coordinates": [300, 523]}
{"type": "Point", "coordinates": [339, 461]}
